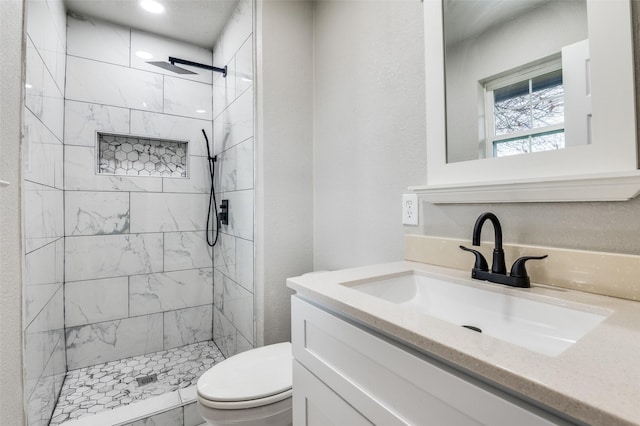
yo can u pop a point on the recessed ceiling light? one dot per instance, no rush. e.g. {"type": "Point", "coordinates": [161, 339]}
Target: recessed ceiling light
{"type": "Point", "coordinates": [27, 86]}
{"type": "Point", "coordinates": [152, 6]}
{"type": "Point", "coordinates": [201, 111]}
{"type": "Point", "coordinates": [144, 55]}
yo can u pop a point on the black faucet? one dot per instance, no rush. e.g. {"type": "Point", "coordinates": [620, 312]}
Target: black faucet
{"type": "Point", "coordinates": [518, 276]}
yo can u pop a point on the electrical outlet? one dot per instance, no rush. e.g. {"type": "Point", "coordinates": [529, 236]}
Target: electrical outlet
{"type": "Point", "coordinates": [410, 209]}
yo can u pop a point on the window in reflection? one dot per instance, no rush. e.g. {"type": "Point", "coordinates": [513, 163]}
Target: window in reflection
{"type": "Point", "coordinates": [526, 110]}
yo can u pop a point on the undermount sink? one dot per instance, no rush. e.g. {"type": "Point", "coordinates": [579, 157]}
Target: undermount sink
{"type": "Point", "coordinates": [542, 327]}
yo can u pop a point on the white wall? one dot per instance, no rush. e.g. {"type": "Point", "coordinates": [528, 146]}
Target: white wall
{"type": "Point", "coordinates": [369, 127]}
{"type": "Point", "coordinates": [283, 160]}
{"type": "Point", "coordinates": [11, 92]}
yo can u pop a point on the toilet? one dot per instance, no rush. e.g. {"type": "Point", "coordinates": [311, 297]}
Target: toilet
{"type": "Point", "coordinates": [252, 388]}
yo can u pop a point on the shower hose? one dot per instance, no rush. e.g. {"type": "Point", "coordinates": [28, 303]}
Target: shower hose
{"type": "Point", "coordinates": [212, 197]}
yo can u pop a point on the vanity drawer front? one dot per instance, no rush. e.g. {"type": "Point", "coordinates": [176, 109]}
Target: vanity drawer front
{"type": "Point", "coordinates": [391, 386]}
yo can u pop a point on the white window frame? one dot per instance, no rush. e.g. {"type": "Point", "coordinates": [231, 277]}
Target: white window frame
{"type": "Point", "coordinates": [511, 77]}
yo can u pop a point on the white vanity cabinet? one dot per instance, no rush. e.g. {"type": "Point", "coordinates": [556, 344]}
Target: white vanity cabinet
{"type": "Point", "coordinates": [345, 374]}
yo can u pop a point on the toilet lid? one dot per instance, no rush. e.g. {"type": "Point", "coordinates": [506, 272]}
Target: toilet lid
{"type": "Point", "coordinates": [254, 374]}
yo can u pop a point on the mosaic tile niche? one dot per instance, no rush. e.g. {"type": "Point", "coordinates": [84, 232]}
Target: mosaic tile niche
{"type": "Point", "coordinates": [139, 156]}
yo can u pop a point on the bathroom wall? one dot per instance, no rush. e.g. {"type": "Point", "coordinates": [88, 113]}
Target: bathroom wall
{"type": "Point", "coordinates": [43, 115]}
{"type": "Point", "coordinates": [233, 126]}
{"type": "Point", "coordinates": [138, 271]}
{"type": "Point", "coordinates": [284, 160]}
{"type": "Point", "coordinates": [596, 226]}
{"type": "Point", "coordinates": [369, 127]}
{"type": "Point", "coordinates": [11, 254]}
{"type": "Point", "coordinates": [43, 315]}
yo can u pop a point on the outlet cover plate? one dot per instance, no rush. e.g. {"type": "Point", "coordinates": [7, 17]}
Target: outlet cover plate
{"type": "Point", "coordinates": [410, 209]}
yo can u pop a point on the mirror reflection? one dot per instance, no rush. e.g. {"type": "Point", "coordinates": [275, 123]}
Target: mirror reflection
{"type": "Point", "coordinates": [517, 77]}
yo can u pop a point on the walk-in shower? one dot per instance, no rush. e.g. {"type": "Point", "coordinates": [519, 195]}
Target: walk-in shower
{"type": "Point", "coordinates": [126, 299]}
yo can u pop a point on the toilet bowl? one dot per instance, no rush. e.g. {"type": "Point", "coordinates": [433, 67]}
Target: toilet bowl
{"type": "Point", "coordinates": [252, 388]}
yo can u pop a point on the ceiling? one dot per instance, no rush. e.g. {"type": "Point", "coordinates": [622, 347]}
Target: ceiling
{"type": "Point", "coordinates": [198, 22]}
{"type": "Point", "coordinates": [469, 18]}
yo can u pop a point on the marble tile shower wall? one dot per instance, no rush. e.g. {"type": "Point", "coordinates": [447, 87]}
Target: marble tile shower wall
{"type": "Point", "coordinates": [43, 313]}
{"type": "Point", "coordinates": [138, 270]}
{"type": "Point", "coordinates": [233, 105]}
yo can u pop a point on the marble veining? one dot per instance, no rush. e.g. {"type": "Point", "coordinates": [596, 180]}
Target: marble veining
{"type": "Point", "coordinates": [104, 256]}
{"type": "Point", "coordinates": [96, 213]}
{"type": "Point", "coordinates": [110, 385]}
{"type": "Point", "coordinates": [112, 340]}
{"type": "Point", "coordinates": [169, 290]}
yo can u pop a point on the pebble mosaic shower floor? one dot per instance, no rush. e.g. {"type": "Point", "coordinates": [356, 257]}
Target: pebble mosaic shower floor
{"type": "Point", "coordinates": [111, 385]}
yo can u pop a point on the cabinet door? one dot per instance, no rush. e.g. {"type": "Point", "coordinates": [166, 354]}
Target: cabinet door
{"type": "Point", "coordinates": [392, 385]}
{"type": "Point", "coordinates": [314, 404]}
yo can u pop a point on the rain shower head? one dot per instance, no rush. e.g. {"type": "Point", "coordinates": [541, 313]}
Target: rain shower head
{"type": "Point", "coordinates": [171, 66]}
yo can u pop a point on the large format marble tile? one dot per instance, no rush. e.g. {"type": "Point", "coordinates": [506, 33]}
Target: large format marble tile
{"type": "Point", "coordinates": [42, 153]}
{"type": "Point", "coordinates": [198, 181]}
{"type": "Point", "coordinates": [111, 340]}
{"type": "Point", "coordinates": [170, 290]}
{"type": "Point", "coordinates": [240, 214]}
{"type": "Point", "coordinates": [161, 48]}
{"type": "Point", "coordinates": [236, 304]}
{"type": "Point", "coordinates": [105, 256]}
{"type": "Point", "coordinates": [224, 255]}
{"type": "Point", "coordinates": [45, 265]}
{"type": "Point", "coordinates": [47, 30]}
{"type": "Point", "coordinates": [35, 298]}
{"type": "Point", "coordinates": [88, 302]}
{"type": "Point", "coordinates": [166, 212]}
{"type": "Point", "coordinates": [82, 120]}
{"type": "Point", "coordinates": [99, 40]}
{"type": "Point", "coordinates": [172, 417]}
{"type": "Point", "coordinates": [244, 67]}
{"type": "Point", "coordinates": [223, 93]}
{"type": "Point", "coordinates": [224, 333]}
{"type": "Point", "coordinates": [144, 123]}
{"type": "Point", "coordinates": [186, 250]}
{"type": "Point", "coordinates": [80, 174]}
{"type": "Point", "coordinates": [96, 213]}
{"type": "Point", "coordinates": [239, 27]}
{"type": "Point", "coordinates": [41, 337]}
{"type": "Point", "coordinates": [191, 415]}
{"type": "Point", "coordinates": [101, 83]}
{"type": "Point", "coordinates": [43, 212]}
{"type": "Point", "coordinates": [187, 98]}
{"type": "Point", "coordinates": [235, 124]}
{"type": "Point", "coordinates": [42, 96]}
{"type": "Point", "coordinates": [244, 263]}
{"type": "Point", "coordinates": [186, 326]}
{"type": "Point", "coordinates": [236, 167]}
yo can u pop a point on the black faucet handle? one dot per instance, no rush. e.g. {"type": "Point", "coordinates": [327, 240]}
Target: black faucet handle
{"type": "Point", "coordinates": [518, 269]}
{"type": "Point", "coordinates": [481, 262]}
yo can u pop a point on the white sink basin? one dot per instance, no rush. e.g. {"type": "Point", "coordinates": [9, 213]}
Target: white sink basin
{"type": "Point", "coordinates": [542, 327]}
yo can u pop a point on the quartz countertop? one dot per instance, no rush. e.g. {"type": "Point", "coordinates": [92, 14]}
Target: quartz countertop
{"type": "Point", "coordinates": [596, 380]}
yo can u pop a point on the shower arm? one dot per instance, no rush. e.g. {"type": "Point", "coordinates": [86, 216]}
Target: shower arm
{"type": "Point", "coordinates": [174, 61]}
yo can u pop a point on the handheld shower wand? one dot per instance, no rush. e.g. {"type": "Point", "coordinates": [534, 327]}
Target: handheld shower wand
{"type": "Point", "coordinates": [212, 195]}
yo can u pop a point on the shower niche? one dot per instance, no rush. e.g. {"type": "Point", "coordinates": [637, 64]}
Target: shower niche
{"type": "Point", "coordinates": [141, 156]}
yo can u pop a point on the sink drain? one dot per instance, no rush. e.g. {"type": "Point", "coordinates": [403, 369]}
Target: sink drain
{"type": "Point", "coordinates": [470, 327]}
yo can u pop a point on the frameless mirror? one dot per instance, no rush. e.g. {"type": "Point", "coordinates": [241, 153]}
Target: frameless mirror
{"type": "Point", "coordinates": [550, 79]}
{"type": "Point", "coordinates": [516, 75]}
